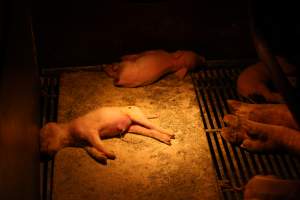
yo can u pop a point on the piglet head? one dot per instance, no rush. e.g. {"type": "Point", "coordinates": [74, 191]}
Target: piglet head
{"type": "Point", "coordinates": [188, 59]}
{"type": "Point", "coordinates": [53, 137]}
{"type": "Point", "coordinates": [112, 70]}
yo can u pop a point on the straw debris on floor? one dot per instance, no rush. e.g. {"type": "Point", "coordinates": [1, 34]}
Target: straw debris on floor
{"type": "Point", "coordinates": [144, 168]}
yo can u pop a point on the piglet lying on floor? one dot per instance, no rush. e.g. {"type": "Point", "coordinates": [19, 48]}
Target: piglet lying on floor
{"type": "Point", "coordinates": [105, 122]}
{"type": "Point", "coordinates": [255, 81]}
{"type": "Point", "coordinates": [262, 127]}
{"type": "Point", "coordinates": [149, 66]}
{"type": "Point", "coordinates": [271, 187]}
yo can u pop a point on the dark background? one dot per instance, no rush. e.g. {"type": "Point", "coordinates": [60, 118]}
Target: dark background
{"type": "Point", "coordinates": [19, 104]}
{"type": "Point", "coordinates": [97, 32]}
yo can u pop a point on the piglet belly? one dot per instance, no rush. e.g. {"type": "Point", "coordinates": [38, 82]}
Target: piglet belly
{"type": "Point", "coordinates": [114, 122]}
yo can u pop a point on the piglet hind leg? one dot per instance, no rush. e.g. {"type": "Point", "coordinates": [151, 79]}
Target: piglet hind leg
{"type": "Point", "coordinates": [138, 117]}
{"type": "Point", "coordinates": [137, 129]}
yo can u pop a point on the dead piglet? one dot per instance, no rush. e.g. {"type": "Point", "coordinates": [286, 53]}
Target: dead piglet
{"type": "Point", "coordinates": [105, 122]}
{"type": "Point", "coordinates": [271, 187]}
{"type": "Point", "coordinates": [149, 66]}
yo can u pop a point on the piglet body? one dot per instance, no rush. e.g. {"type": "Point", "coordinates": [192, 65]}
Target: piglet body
{"type": "Point", "coordinates": [105, 122]}
{"type": "Point", "coordinates": [271, 187]}
{"type": "Point", "coordinates": [149, 66]}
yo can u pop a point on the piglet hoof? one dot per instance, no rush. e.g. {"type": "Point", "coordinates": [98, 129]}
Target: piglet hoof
{"type": "Point", "coordinates": [166, 139]}
{"type": "Point", "coordinates": [172, 136]}
{"type": "Point", "coordinates": [229, 135]}
{"type": "Point", "coordinates": [167, 142]}
{"type": "Point", "coordinates": [231, 120]}
{"type": "Point", "coordinates": [96, 155]}
{"type": "Point", "coordinates": [234, 105]}
{"type": "Point", "coordinates": [110, 155]}
{"type": "Point", "coordinates": [153, 116]}
{"type": "Point", "coordinates": [234, 133]}
{"type": "Point", "coordinates": [234, 136]}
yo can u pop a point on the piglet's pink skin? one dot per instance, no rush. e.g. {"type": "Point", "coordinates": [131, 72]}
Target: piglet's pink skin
{"type": "Point", "coordinates": [271, 187]}
{"type": "Point", "coordinates": [149, 66]}
{"type": "Point", "coordinates": [105, 122]}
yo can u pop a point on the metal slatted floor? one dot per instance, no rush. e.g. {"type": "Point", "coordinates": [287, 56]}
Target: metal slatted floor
{"type": "Point", "coordinates": [233, 165]}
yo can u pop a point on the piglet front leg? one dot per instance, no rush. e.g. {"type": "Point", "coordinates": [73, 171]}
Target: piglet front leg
{"type": "Point", "coordinates": [95, 154]}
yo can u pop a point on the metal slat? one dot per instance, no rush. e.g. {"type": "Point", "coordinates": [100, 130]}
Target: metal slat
{"type": "Point", "coordinates": [43, 165]}
{"type": "Point", "coordinates": [218, 158]}
{"type": "Point", "coordinates": [49, 102]}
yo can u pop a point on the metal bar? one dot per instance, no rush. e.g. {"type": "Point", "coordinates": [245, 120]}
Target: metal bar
{"type": "Point", "coordinates": [49, 101]}
{"type": "Point", "coordinates": [265, 54]}
{"type": "Point", "coordinates": [58, 70]}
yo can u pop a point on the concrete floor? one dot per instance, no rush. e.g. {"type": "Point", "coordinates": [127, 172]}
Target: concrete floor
{"type": "Point", "coordinates": [144, 168]}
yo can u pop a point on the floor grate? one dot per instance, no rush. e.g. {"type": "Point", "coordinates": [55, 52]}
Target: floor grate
{"type": "Point", "coordinates": [49, 103]}
{"type": "Point", "coordinates": [233, 165]}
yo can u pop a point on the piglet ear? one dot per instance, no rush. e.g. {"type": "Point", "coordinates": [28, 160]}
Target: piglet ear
{"type": "Point", "coordinates": [112, 69]}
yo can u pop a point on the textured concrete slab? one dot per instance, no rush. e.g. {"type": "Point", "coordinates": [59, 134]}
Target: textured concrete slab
{"type": "Point", "coordinates": [144, 168]}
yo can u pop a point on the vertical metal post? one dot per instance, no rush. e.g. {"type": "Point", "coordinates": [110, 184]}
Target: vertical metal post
{"type": "Point", "coordinates": [279, 79]}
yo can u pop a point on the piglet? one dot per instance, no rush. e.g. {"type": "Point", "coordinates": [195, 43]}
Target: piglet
{"type": "Point", "coordinates": [149, 66]}
{"type": "Point", "coordinates": [271, 187]}
{"type": "Point", "coordinates": [254, 82]}
{"type": "Point", "coordinates": [105, 122]}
